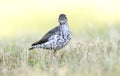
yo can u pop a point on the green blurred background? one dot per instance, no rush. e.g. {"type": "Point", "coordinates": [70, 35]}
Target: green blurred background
{"type": "Point", "coordinates": [27, 17]}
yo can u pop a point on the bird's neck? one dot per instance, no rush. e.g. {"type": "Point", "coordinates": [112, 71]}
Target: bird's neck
{"type": "Point", "coordinates": [64, 24]}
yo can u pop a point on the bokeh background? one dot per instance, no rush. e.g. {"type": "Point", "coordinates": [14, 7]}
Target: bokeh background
{"type": "Point", "coordinates": [28, 17]}
{"type": "Point", "coordinates": [94, 49]}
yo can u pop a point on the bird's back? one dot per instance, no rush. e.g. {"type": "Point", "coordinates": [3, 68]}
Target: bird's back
{"type": "Point", "coordinates": [45, 38]}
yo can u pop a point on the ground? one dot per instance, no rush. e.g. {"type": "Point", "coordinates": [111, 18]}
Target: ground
{"type": "Point", "coordinates": [92, 53]}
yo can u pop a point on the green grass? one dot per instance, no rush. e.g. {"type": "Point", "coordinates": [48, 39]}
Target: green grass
{"type": "Point", "coordinates": [95, 52]}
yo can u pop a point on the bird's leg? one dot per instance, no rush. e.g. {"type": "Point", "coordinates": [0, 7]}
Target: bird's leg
{"type": "Point", "coordinates": [53, 57]}
{"type": "Point", "coordinates": [54, 52]}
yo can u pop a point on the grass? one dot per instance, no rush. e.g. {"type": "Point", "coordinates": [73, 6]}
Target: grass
{"type": "Point", "coordinates": [94, 53]}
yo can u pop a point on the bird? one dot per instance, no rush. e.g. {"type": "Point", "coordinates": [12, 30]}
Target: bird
{"type": "Point", "coordinates": [56, 38]}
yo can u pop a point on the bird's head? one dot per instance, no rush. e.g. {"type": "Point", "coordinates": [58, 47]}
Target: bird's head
{"type": "Point", "coordinates": [62, 19]}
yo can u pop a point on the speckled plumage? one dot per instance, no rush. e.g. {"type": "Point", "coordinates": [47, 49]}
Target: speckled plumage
{"type": "Point", "coordinates": [56, 38]}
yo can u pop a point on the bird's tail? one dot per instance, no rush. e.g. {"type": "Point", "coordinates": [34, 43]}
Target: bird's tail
{"type": "Point", "coordinates": [31, 48]}
{"type": "Point", "coordinates": [35, 46]}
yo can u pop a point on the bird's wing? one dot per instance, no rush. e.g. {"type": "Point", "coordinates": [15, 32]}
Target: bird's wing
{"type": "Point", "coordinates": [47, 36]}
